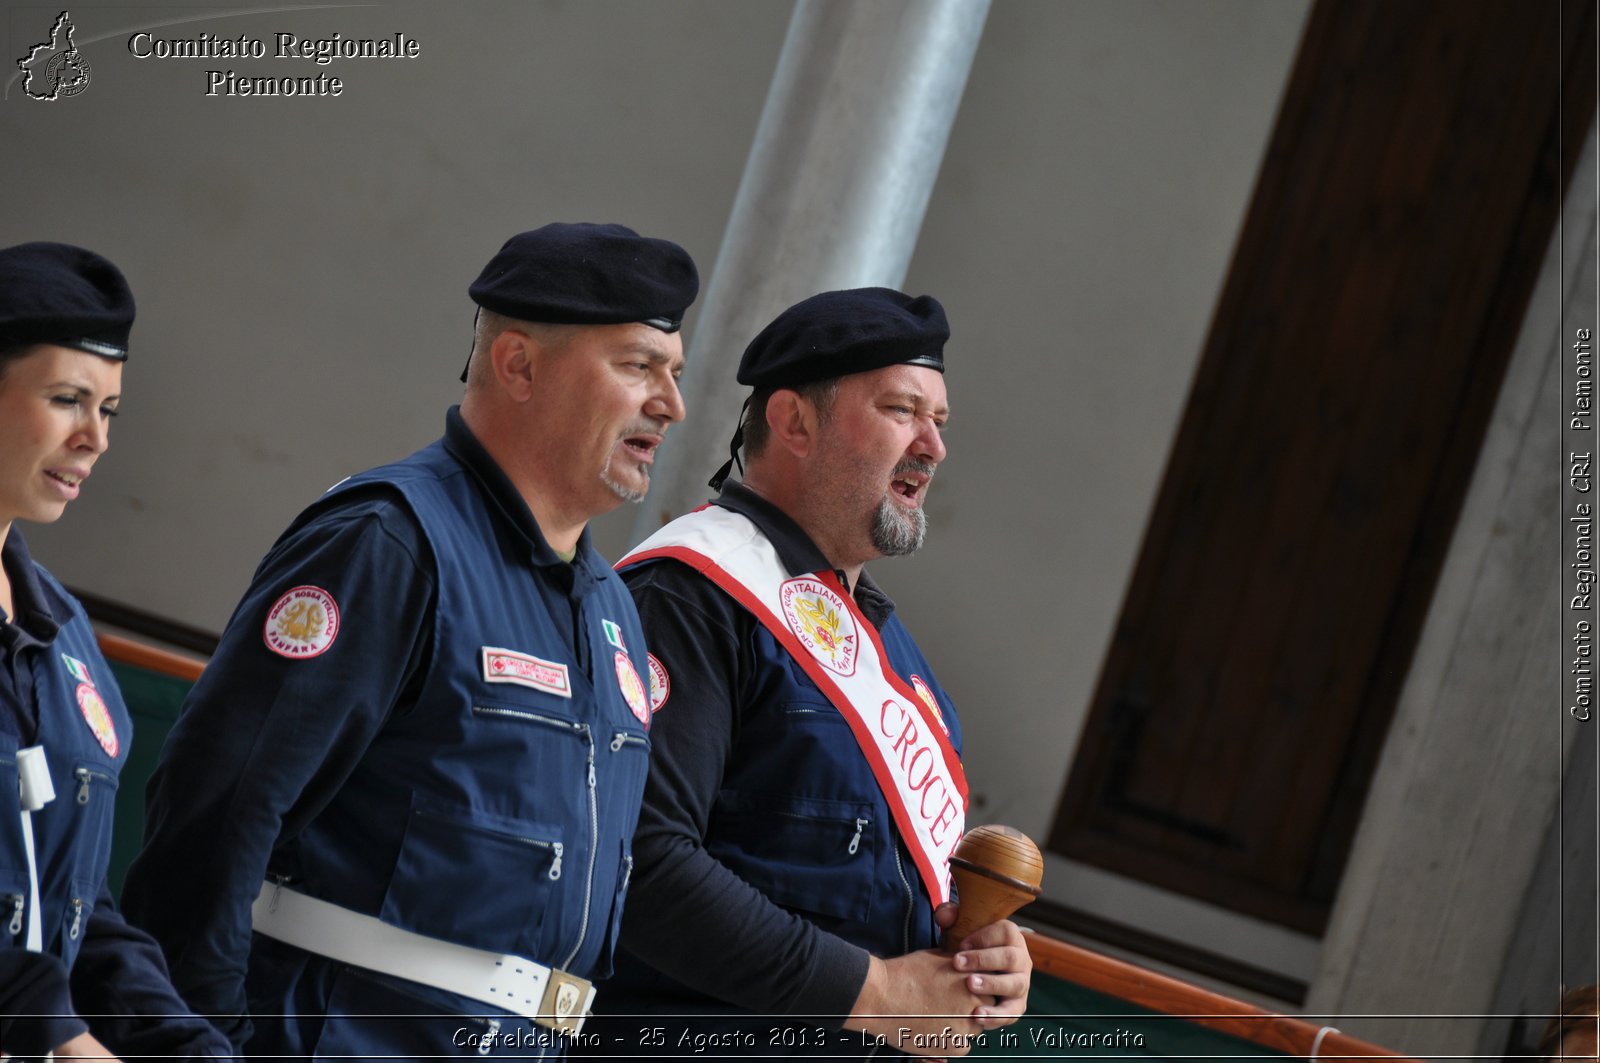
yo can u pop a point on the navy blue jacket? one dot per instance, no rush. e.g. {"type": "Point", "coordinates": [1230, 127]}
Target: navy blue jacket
{"type": "Point", "coordinates": [384, 771]}
{"type": "Point", "coordinates": [769, 864]}
{"type": "Point", "coordinates": [57, 691]}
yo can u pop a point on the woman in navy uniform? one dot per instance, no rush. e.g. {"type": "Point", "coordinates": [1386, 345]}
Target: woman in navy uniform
{"type": "Point", "coordinates": [65, 952]}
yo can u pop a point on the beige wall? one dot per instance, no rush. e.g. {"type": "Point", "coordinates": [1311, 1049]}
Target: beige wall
{"type": "Point", "coordinates": [302, 264]}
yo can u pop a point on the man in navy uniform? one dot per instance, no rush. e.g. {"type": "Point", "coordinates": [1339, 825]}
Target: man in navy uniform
{"type": "Point", "coordinates": [74, 976]}
{"type": "Point", "coordinates": [806, 787]}
{"type": "Point", "coordinates": [414, 765]}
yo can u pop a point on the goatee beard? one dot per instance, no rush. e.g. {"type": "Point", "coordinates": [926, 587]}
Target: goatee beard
{"type": "Point", "coordinates": [622, 491]}
{"type": "Point", "coordinates": [898, 532]}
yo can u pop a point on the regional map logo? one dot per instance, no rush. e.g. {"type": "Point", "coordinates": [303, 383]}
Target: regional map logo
{"type": "Point", "coordinates": [55, 69]}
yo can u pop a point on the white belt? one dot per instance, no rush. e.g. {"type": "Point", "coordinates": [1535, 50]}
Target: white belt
{"type": "Point", "coordinates": [33, 780]}
{"type": "Point", "coordinates": [550, 997]}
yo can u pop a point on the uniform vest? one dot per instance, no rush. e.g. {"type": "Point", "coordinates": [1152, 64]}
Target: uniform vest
{"type": "Point", "coordinates": [801, 816]}
{"type": "Point", "coordinates": [498, 810]}
{"type": "Point", "coordinates": [85, 731]}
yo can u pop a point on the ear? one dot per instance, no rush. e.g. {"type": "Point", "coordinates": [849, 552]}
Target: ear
{"type": "Point", "coordinates": [513, 355]}
{"type": "Point", "coordinates": [793, 422]}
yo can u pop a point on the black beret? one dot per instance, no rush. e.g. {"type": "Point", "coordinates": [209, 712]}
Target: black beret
{"type": "Point", "coordinates": [838, 333]}
{"type": "Point", "coordinates": [64, 295]}
{"type": "Point", "coordinates": [583, 274]}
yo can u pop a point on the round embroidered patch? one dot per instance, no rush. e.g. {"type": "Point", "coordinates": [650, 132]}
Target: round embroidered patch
{"type": "Point", "coordinates": [98, 717]}
{"type": "Point", "coordinates": [303, 623]}
{"type": "Point", "coordinates": [821, 621]}
{"type": "Point", "coordinates": [929, 700]}
{"type": "Point", "coordinates": [660, 684]}
{"type": "Point", "coordinates": [632, 688]}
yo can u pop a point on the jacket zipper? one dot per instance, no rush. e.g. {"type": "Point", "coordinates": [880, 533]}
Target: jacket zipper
{"type": "Point", "coordinates": [910, 900]}
{"type": "Point", "coordinates": [594, 852]}
{"type": "Point", "coordinates": [533, 717]}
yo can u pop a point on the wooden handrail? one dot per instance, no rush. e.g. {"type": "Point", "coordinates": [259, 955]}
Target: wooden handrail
{"type": "Point", "coordinates": [140, 655]}
{"type": "Point", "coordinates": [1172, 996]}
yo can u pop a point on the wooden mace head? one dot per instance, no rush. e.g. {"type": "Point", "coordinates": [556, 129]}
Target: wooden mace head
{"type": "Point", "coordinates": [996, 870]}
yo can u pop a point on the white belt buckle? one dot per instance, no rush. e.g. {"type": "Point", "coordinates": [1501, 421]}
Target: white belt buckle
{"type": "Point", "coordinates": [565, 1003]}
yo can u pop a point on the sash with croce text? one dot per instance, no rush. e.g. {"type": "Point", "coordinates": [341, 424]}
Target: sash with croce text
{"type": "Point", "coordinates": [897, 727]}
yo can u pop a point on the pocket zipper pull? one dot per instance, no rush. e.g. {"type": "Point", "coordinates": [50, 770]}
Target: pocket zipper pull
{"type": "Point", "coordinates": [855, 841]}
{"type": "Point", "coordinates": [17, 903]}
{"type": "Point", "coordinates": [555, 868]}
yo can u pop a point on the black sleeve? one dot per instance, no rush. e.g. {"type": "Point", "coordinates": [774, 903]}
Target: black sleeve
{"type": "Point", "coordinates": [120, 981]}
{"type": "Point", "coordinates": [264, 741]}
{"type": "Point", "coordinates": [688, 915]}
{"type": "Point", "coordinates": [36, 1013]}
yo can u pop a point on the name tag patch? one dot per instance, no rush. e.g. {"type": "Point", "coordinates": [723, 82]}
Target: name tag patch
{"type": "Point", "coordinates": [525, 670]}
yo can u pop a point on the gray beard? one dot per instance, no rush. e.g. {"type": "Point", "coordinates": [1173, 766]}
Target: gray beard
{"type": "Point", "coordinates": [898, 533]}
{"type": "Point", "coordinates": [627, 494]}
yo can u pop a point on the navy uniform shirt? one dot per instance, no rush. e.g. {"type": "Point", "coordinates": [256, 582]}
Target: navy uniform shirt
{"type": "Point", "coordinates": [383, 770]}
{"type": "Point", "coordinates": [99, 967]}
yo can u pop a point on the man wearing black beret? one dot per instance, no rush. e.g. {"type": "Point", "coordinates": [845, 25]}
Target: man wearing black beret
{"type": "Point", "coordinates": [806, 786]}
{"type": "Point", "coordinates": [75, 978]}
{"type": "Point", "coordinates": [414, 765]}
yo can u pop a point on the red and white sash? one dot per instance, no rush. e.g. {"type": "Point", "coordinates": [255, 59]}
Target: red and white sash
{"type": "Point", "coordinates": [823, 629]}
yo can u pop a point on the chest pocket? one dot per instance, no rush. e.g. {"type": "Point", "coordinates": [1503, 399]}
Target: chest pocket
{"type": "Point", "coordinates": [807, 854]}
{"type": "Point", "coordinates": [475, 879]}
{"type": "Point", "coordinates": [91, 803]}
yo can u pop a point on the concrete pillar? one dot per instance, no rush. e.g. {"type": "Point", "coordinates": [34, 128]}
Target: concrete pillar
{"type": "Point", "coordinates": [833, 196]}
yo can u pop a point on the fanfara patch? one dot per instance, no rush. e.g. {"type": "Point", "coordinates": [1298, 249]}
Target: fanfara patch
{"type": "Point", "coordinates": [929, 700]}
{"type": "Point", "coordinates": [98, 717]}
{"type": "Point", "coordinates": [77, 669]}
{"type": "Point", "coordinates": [613, 633]}
{"type": "Point", "coordinates": [821, 621]}
{"type": "Point", "coordinates": [660, 684]}
{"type": "Point", "coordinates": [302, 623]}
{"type": "Point", "coordinates": [526, 670]}
{"type": "Point", "coordinates": [632, 688]}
